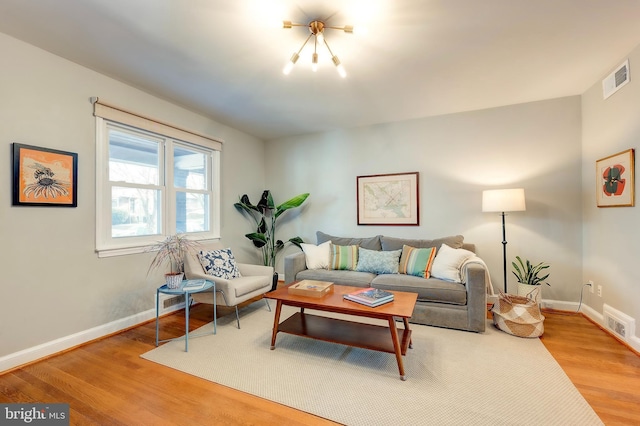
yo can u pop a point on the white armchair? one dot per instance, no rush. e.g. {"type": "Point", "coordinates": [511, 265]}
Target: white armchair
{"type": "Point", "coordinates": [255, 281]}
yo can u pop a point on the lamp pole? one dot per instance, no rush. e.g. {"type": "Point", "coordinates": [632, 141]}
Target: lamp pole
{"type": "Point", "coordinates": [504, 252]}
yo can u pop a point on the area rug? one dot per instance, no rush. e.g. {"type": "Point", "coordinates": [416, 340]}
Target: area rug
{"type": "Point", "coordinates": [453, 377]}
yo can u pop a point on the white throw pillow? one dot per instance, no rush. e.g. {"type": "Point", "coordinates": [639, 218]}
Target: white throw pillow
{"type": "Point", "coordinates": [317, 256]}
{"type": "Point", "coordinates": [447, 263]}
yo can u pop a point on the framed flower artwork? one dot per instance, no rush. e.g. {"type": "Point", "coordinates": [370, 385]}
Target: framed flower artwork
{"type": "Point", "coordinates": [615, 181]}
{"type": "Point", "coordinates": [44, 177]}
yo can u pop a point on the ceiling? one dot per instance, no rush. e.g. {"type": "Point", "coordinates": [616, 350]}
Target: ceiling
{"type": "Point", "coordinates": [416, 58]}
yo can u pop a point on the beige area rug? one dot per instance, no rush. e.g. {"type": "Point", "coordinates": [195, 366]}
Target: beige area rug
{"type": "Point", "coordinates": [453, 377]}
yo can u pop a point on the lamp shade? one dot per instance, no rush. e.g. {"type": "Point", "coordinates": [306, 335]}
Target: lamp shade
{"type": "Point", "coordinates": [503, 200]}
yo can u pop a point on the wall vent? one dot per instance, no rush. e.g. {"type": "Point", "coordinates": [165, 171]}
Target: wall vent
{"type": "Point", "coordinates": [614, 81]}
{"type": "Point", "coordinates": [619, 323]}
{"type": "Point", "coordinates": [170, 303]}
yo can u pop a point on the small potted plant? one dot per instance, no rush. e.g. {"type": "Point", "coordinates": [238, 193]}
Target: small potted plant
{"type": "Point", "coordinates": [530, 277]}
{"type": "Point", "coordinates": [172, 250]}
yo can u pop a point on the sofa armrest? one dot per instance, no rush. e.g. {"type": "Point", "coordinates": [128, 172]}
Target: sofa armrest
{"type": "Point", "coordinates": [293, 264]}
{"type": "Point", "coordinates": [476, 282]}
{"type": "Point", "coordinates": [250, 270]}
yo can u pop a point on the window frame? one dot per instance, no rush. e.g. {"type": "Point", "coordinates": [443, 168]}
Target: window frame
{"type": "Point", "coordinates": [106, 245]}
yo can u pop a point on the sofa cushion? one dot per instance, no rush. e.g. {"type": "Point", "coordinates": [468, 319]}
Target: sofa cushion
{"type": "Point", "coordinates": [448, 261]}
{"type": "Point", "coordinates": [343, 257]}
{"type": "Point", "coordinates": [417, 261]}
{"type": "Point", "coordinates": [316, 256]}
{"type": "Point", "coordinates": [378, 262]}
{"type": "Point", "coordinates": [354, 278]}
{"type": "Point", "coordinates": [392, 243]}
{"type": "Point", "coordinates": [429, 290]}
{"type": "Point", "coordinates": [372, 243]}
{"type": "Point", "coordinates": [219, 263]}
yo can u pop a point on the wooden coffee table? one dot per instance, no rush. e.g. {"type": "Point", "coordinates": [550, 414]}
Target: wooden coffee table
{"type": "Point", "coordinates": [351, 333]}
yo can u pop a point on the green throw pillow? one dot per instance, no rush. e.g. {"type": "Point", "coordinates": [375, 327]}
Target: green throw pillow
{"type": "Point", "coordinates": [343, 257]}
{"type": "Point", "coordinates": [417, 261]}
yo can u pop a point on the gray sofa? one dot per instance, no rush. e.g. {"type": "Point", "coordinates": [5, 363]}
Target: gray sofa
{"type": "Point", "coordinates": [440, 303]}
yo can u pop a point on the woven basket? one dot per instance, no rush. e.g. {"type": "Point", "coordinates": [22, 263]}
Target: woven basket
{"type": "Point", "coordinates": [518, 315]}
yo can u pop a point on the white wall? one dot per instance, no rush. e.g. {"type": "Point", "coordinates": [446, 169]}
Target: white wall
{"type": "Point", "coordinates": [534, 145]}
{"type": "Point", "coordinates": [53, 283]}
{"type": "Point", "coordinates": [611, 235]}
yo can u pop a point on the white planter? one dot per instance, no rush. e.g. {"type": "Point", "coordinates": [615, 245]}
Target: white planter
{"type": "Point", "coordinates": [174, 280]}
{"type": "Point", "coordinates": [532, 291]}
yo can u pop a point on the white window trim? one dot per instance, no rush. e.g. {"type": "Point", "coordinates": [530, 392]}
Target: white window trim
{"type": "Point", "coordinates": [104, 244]}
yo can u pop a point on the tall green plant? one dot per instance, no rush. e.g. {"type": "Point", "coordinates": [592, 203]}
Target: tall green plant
{"type": "Point", "coordinates": [528, 273]}
{"type": "Point", "coordinates": [265, 215]}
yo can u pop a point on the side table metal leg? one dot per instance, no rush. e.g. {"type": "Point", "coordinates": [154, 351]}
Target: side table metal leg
{"type": "Point", "coordinates": [157, 314]}
{"type": "Point", "coordinates": [186, 326]}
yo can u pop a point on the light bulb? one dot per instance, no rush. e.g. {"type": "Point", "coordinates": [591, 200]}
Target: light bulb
{"type": "Point", "coordinates": [339, 66]}
{"type": "Point", "coordinates": [287, 68]}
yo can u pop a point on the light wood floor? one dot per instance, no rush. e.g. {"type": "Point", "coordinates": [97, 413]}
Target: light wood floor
{"type": "Point", "coordinates": [107, 383]}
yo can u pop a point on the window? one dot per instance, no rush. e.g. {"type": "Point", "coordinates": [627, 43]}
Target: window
{"type": "Point", "coordinates": [151, 184]}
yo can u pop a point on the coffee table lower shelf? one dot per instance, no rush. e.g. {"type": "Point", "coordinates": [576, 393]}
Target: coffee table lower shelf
{"type": "Point", "coordinates": [356, 334]}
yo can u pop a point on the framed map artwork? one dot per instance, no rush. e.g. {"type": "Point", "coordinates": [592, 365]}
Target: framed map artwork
{"type": "Point", "coordinates": [615, 180]}
{"type": "Point", "coordinates": [390, 199]}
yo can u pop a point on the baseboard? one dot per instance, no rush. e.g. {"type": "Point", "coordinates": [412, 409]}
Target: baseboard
{"type": "Point", "coordinates": [29, 355]}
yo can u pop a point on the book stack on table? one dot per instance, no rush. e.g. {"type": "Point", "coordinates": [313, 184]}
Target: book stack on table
{"type": "Point", "coordinates": [371, 297]}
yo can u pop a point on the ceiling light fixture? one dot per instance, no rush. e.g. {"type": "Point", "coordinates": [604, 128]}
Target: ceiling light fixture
{"type": "Point", "coordinates": [316, 28]}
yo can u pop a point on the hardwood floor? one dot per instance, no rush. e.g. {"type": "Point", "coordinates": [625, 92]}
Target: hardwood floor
{"type": "Point", "coordinates": [106, 382]}
{"type": "Point", "coordinates": [605, 371]}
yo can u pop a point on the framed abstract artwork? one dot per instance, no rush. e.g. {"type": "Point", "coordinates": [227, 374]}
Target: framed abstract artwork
{"type": "Point", "coordinates": [615, 181]}
{"type": "Point", "coordinates": [44, 177]}
{"type": "Point", "coordinates": [390, 199]}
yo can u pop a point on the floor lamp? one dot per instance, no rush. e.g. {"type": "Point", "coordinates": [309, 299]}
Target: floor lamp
{"type": "Point", "coordinates": [503, 200]}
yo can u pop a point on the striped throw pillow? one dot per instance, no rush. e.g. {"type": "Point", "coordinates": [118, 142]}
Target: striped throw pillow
{"type": "Point", "coordinates": [417, 261]}
{"type": "Point", "coordinates": [343, 257]}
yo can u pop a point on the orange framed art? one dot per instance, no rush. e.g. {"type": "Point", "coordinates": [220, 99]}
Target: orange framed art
{"type": "Point", "coordinates": [615, 180]}
{"type": "Point", "coordinates": [44, 177]}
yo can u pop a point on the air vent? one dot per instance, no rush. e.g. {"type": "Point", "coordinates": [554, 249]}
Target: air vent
{"type": "Point", "coordinates": [619, 323]}
{"type": "Point", "coordinates": [615, 80]}
{"type": "Point", "coordinates": [170, 303]}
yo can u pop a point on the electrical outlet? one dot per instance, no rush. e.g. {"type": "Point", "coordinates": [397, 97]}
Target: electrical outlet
{"type": "Point", "coordinates": [591, 285]}
{"type": "Point", "coordinates": [599, 290]}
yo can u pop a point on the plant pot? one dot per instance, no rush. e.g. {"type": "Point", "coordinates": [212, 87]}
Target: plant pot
{"type": "Point", "coordinates": [532, 291]}
{"type": "Point", "coordinates": [274, 284]}
{"type": "Point", "coordinates": [174, 280]}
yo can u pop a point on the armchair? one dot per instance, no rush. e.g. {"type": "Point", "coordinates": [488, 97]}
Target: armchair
{"type": "Point", "coordinates": [255, 281]}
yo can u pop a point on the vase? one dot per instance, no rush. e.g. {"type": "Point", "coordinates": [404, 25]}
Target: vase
{"type": "Point", "coordinates": [274, 283]}
{"type": "Point", "coordinates": [532, 291]}
{"type": "Point", "coordinates": [174, 280]}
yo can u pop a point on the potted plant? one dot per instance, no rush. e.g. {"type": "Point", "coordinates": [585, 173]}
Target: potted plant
{"type": "Point", "coordinates": [530, 277]}
{"type": "Point", "coordinates": [265, 215]}
{"type": "Point", "coordinates": [172, 250]}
